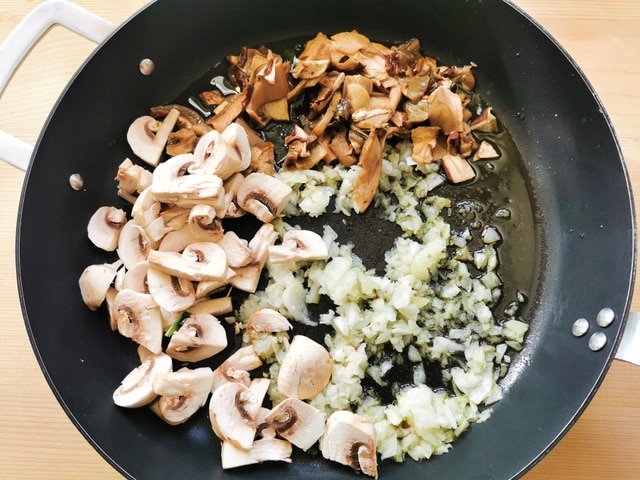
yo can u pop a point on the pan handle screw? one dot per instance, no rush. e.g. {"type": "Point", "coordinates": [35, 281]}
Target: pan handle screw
{"type": "Point", "coordinates": [597, 341]}
{"type": "Point", "coordinates": [146, 66]}
{"type": "Point", "coordinates": [76, 181]}
{"type": "Point", "coordinates": [580, 327]}
{"type": "Point", "coordinates": [605, 317]}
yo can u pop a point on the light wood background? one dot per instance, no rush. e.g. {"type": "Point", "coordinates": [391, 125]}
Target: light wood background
{"type": "Point", "coordinates": [37, 441]}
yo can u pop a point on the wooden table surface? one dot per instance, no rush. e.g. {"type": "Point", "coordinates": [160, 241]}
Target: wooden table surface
{"type": "Point", "coordinates": [37, 441]}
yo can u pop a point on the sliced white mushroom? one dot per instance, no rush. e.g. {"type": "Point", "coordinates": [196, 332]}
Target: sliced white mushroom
{"type": "Point", "coordinates": [262, 450]}
{"type": "Point", "coordinates": [136, 278]}
{"type": "Point", "coordinates": [231, 186]}
{"type": "Point", "coordinates": [136, 388]}
{"type": "Point", "coordinates": [299, 246]}
{"type": "Point", "coordinates": [236, 367]}
{"type": "Point", "coordinates": [246, 278]}
{"type": "Point", "coordinates": [266, 320]}
{"type": "Point", "coordinates": [105, 226]}
{"type": "Point", "coordinates": [201, 336]}
{"type": "Point", "coordinates": [233, 411]}
{"type": "Point", "coordinates": [95, 281]}
{"type": "Point", "coordinates": [207, 287]}
{"type": "Point", "coordinates": [173, 294]}
{"type": "Point", "coordinates": [146, 208]}
{"type": "Point", "coordinates": [138, 317]}
{"type": "Point", "coordinates": [177, 240]}
{"type": "Point", "coordinates": [132, 178]}
{"type": "Point", "coordinates": [199, 261]}
{"type": "Point", "coordinates": [237, 249]}
{"type": "Point", "coordinates": [146, 140]}
{"type": "Point", "coordinates": [212, 306]}
{"type": "Point", "coordinates": [263, 195]}
{"type": "Point", "coordinates": [133, 244]}
{"type": "Point", "coordinates": [181, 393]}
{"type": "Point", "coordinates": [204, 225]}
{"type": "Point", "coordinates": [175, 217]}
{"type": "Point", "coordinates": [172, 184]}
{"type": "Point", "coordinates": [350, 439]}
{"type": "Point", "coordinates": [300, 423]}
{"type": "Point", "coordinates": [110, 299]}
{"type": "Point", "coordinates": [224, 154]}
{"type": "Point", "coordinates": [305, 369]}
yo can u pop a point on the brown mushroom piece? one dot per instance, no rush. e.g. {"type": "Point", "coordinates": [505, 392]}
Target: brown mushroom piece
{"type": "Point", "coordinates": [457, 169]}
{"type": "Point", "coordinates": [104, 227]}
{"type": "Point", "coordinates": [445, 110]}
{"type": "Point", "coordinates": [147, 140]}
{"type": "Point", "coordinates": [299, 246]}
{"type": "Point", "coordinates": [300, 423]}
{"type": "Point", "coordinates": [263, 195]}
{"type": "Point", "coordinates": [201, 336]}
{"type": "Point", "coordinates": [305, 369]}
{"type": "Point", "coordinates": [366, 184]}
{"type": "Point", "coordinates": [486, 122]}
{"type": "Point", "coordinates": [181, 393]}
{"type": "Point", "coordinates": [350, 439]}
{"type": "Point", "coordinates": [138, 317]}
{"type": "Point", "coordinates": [314, 59]}
{"type": "Point", "coordinates": [424, 140]}
{"type": "Point", "coordinates": [94, 283]}
{"type": "Point", "coordinates": [136, 388]}
{"type": "Point", "coordinates": [486, 151]}
{"type": "Point", "coordinates": [268, 99]}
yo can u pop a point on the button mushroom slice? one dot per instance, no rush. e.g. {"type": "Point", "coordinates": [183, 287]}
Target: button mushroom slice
{"type": "Point", "coordinates": [94, 282]}
{"type": "Point", "coordinates": [207, 287]}
{"type": "Point", "coordinates": [262, 450]}
{"type": "Point", "coordinates": [300, 423]}
{"type": "Point", "coordinates": [237, 249]}
{"type": "Point", "coordinates": [136, 388]}
{"type": "Point", "coordinates": [203, 223]}
{"type": "Point", "coordinates": [212, 306]}
{"type": "Point", "coordinates": [231, 186]}
{"type": "Point", "coordinates": [133, 245]}
{"type": "Point", "coordinates": [147, 140]}
{"type": "Point", "coordinates": [110, 300]}
{"type": "Point", "coordinates": [224, 154]}
{"type": "Point", "coordinates": [104, 227]}
{"type": "Point", "coordinates": [181, 393]}
{"type": "Point", "coordinates": [199, 261]}
{"type": "Point", "coordinates": [172, 293]}
{"type": "Point", "coordinates": [305, 369]}
{"type": "Point", "coordinates": [366, 184]}
{"type": "Point", "coordinates": [246, 278]}
{"type": "Point", "coordinates": [132, 178]}
{"type": "Point", "coordinates": [175, 217]}
{"type": "Point", "coordinates": [146, 208]}
{"type": "Point", "coordinates": [177, 240]}
{"type": "Point", "coordinates": [266, 320]}
{"type": "Point", "coordinates": [263, 195]}
{"type": "Point", "coordinates": [236, 368]}
{"type": "Point", "coordinates": [136, 278]}
{"type": "Point", "coordinates": [138, 317]}
{"type": "Point", "coordinates": [299, 246]}
{"type": "Point", "coordinates": [201, 336]}
{"type": "Point", "coordinates": [350, 439]}
{"type": "Point", "coordinates": [233, 411]}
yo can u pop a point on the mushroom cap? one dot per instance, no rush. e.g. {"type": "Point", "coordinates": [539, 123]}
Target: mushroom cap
{"type": "Point", "coordinates": [147, 140]}
{"type": "Point", "coordinates": [104, 227]}
{"type": "Point", "coordinates": [133, 244]}
{"type": "Point", "coordinates": [305, 369]}
{"type": "Point", "coordinates": [94, 282]}
{"type": "Point", "coordinates": [263, 195]}
{"type": "Point", "coordinates": [201, 336]}
{"type": "Point", "coordinates": [181, 393]}
{"type": "Point", "coordinates": [297, 421]}
{"type": "Point", "coordinates": [350, 439]}
{"type": "Point", "coordinates": [233, 414]}
{"type": "Point", "coordinates": [267, 320]}
{"type": "Point", "coordinates": [136, 389]}
{"type": "Point", "coordinates": [173, 294]}
{"type": "Point", "coordinates": [204, 225]}
{"type": "Point", "coordinates": [138, 317]}
{"type": "Point", "coordinates": [136, 278]}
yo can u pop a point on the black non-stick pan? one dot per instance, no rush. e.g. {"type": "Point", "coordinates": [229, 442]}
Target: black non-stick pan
{"type": "Point", "coordinates": [573, 253]}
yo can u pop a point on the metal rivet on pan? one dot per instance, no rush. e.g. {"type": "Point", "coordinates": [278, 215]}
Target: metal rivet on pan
{"type": "Point", "coordinates": [605, 317]}
{"type": "Point", "coordinates": [76, 181]}
{"type": "Point", "coordinates": [580, 327]}
{"type": "Point", "coordinates": [146, 66]}
{"type": "Point", "coordinates": [597, 341]}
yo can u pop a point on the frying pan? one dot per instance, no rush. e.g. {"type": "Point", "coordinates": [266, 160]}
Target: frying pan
{"type": "Point", "coordinates": [583, 247]}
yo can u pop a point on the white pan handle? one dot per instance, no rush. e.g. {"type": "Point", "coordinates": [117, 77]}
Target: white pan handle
{"type": "Point", "coordinates": [20, 42]}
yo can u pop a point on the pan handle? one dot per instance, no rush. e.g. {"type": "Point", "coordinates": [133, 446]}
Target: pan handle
{"type": "Point", "coordinates": [23, 38]}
